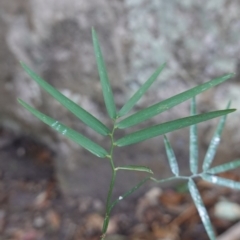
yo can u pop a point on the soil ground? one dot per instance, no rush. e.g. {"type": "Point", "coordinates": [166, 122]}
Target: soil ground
{"type": "Point", "coordinates": [32, 206]}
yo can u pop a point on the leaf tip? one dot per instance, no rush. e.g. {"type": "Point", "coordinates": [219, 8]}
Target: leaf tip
{"type": "Point", "coordinates": [20, 101]}
{"type": "Point", "coordinates": [229, 104]}
{"type": "Point", "coordinates": [94, 33]}
{"type": "Point", "coordinates": [232, 110]}
{"type": "Point", "coordinates": [23, 65]}
{"type": "Point", "coordinates": [230, 75]}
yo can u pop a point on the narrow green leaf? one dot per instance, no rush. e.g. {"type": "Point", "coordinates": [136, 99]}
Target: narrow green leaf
{"type": "Point", "coordinates": [163, 128]}
{"type": "Point", "coordinates": [171, 157]}
{"type": "Point", "coordinates": [221, 181]}
{"type": "Point", "coordinates": [135, 168]}
{"type": "Point", "coordinates": [106, 88]}
{"type": "Point", "coordinates": [193, 141]}
{"type": "Point", "coordinates": [79, 112]}
{"type": "Point", "coordinates": [160, 107]}
{"type": "Point", "coordinates": [201, 209]}
{"type": "Point", "coordinates": [68, 132]}
{"type": "Point", "coordinates": [140, 92]}
{"type": "Point", "coordinates": [214, 143]}
{"type": "Point", "coordinates": [120, 198]}
{"type": "Point", "coordinates": [225, 167]}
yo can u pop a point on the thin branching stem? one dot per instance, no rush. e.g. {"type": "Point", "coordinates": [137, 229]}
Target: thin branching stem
{"type": "Point", "coordinates": [177, 178]}
{"type": "Point", "coordinates": [168, 179]}
{"type": "Point", "coordinates": [109, 204]}
{"type": "Point", "coordinates": [112, 183]}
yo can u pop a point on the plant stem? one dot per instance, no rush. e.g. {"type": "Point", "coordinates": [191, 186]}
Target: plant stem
{"type": "Point", "coordinates": [167, 179]}
{"type": "Point", "coordinates": [176, 177]}
{"type": "Point", "coordinates": [109, 205]}
{"type": "Point", "coordinates": [109, 196]}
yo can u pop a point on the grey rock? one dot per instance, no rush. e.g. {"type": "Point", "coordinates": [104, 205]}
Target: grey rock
{"type": "Point", "coordinates": [198, 42]}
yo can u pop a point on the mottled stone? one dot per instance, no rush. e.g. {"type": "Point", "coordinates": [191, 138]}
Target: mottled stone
{"type": "Point", "coordinates": [198, 42]}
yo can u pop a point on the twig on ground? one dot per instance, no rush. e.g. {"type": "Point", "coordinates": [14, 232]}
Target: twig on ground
{"type": "Point", "coordinates": [232, 233]}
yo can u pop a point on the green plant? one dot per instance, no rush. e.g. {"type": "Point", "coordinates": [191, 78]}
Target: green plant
{"type": "Point", "coordinates": [137, 136]}
{"type": "Point", "coordinates": [207, 174]}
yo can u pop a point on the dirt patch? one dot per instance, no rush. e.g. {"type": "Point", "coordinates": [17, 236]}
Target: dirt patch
{"type": "Point", "coordinates": [33, 208]}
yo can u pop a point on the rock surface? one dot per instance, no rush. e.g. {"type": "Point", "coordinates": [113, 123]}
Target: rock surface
{"type": "Point", "coordinates": [198, 42]}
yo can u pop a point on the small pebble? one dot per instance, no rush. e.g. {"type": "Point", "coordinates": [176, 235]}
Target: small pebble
{"type": "Point", "coordinates": [227, 210]}
{"type": "Point", "coordinates": [38, 222]}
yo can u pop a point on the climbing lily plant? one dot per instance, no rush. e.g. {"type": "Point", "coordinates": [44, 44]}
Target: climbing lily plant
{"type": "Point", "coordinates": [120, 121]}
